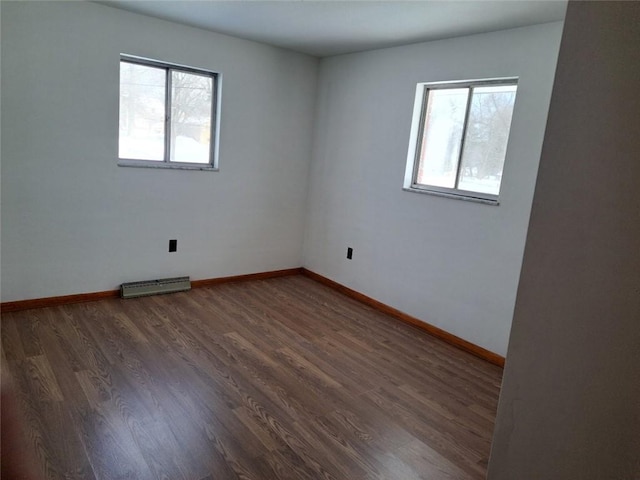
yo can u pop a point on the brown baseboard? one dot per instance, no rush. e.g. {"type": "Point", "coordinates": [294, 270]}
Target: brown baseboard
{"type": "Point", "coordinates": [94, 296]}
{"type": "Point", "coordinates": [458, 342]}
{"type": "Point", "coordinates": [243, 278]}
{"type": "Point", "coordinates": [55, 301]}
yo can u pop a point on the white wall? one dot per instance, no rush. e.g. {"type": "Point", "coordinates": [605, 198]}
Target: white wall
{"type": "Point", "coordinates": [73, 221]}
{"type": "Point", "coordinates": [570, 403]}
{"type": "Point", "coordinates": [452, 263]}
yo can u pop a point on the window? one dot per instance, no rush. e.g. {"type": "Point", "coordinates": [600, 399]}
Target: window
{"type": "Point", "coordinates": [459, 138]}
{"type": "Point", "coordinates": [168, 115]}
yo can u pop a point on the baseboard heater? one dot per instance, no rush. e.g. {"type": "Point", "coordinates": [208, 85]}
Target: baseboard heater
{"type": "Point", "coordinates": [154, 287]}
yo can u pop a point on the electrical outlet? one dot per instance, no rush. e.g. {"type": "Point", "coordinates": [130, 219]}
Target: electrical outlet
{"type": "Point", "coordinates": [349, 253]}
{"type": "Point", "coordinates": [173, 245]}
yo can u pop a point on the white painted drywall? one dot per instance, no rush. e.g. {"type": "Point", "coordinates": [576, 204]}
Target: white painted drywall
{"type": "Point", "coordinates": [73, 221]}
{"type": "Point", "coordinates": [570, 403]}
{"type": "Point", "coordinates": [451, 263]}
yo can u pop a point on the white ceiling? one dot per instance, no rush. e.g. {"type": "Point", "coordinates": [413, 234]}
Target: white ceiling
{"type": "Point", "coordinates": [332, 27]}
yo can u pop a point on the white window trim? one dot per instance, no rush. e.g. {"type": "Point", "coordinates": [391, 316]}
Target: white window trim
{"type": "Point", "coordinates": [417, 125]}
{"type": "Point", "coordinates": [215, 119]}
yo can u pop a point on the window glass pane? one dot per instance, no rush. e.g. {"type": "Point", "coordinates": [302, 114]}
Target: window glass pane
{"type": "Point", "coordinates": [142, 112]}
{"type": "Point", "coordinates": [442, 135]}
{"type": "Point", "coordinates": [191, 97]}
{"type": "Point", "coordinates": [485, 142]}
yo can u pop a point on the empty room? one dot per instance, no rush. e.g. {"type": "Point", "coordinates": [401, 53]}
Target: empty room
{"type": "Point", "coordinates": [320, 240]}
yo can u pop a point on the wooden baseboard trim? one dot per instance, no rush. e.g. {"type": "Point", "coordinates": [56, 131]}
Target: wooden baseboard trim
{"type": "Point", "coordinates": [432, 330]}
{"type": "Point", "coordinates": [95, 296]}
{"type": "Point", "coordinates": [55, 301]}
{"type": "Point", "coordinates": [244, 278]}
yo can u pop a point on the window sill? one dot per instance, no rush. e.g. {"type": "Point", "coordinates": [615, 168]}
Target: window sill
{"type": "Point", "coordinates": [166, 165]}
{"type": "Point", "coordinates": [457, 196]}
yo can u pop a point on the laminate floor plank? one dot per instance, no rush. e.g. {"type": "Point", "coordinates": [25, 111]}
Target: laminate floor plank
{"type": "Point", "coordinates": [11, 341]}
{"type": "Point", "coordinates": [47, 421]}
{"type": "Point", "coordinates": [357, 331]}
{"type": "Point", "coordinates": [281, 378]}
{"type": "Point", "coordinates": [453, 447]}
{"type": "Point", "coordinates": [430, 464]}
{"type": "Point", "coordinates": [29, 332]}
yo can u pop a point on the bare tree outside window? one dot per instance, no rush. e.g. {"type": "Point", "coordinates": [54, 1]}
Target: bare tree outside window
{"type": "Point", "coordinates": [167, 114]}
{"type": "Point", "coordinates": [190, 117]}
{"type": "Point", "coordinates": [461, 138]}
{"type": "Point", "coordinates": [485, 143]}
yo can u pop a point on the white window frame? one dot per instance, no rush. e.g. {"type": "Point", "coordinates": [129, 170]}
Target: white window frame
{"type": "Point", "coordinates": [215, 117]}
{"type": "Point", "coordinates": [415, 140]}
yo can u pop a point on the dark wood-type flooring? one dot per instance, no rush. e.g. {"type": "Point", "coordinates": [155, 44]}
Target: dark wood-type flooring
{"type": "Point", "coordinates": [272, 379]}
